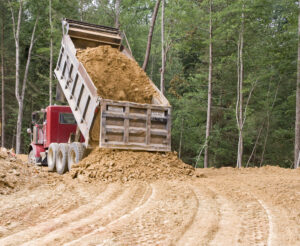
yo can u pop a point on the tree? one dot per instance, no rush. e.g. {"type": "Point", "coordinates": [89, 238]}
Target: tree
{"type": "Point", "coordinates": [239, 104]}
{"type": "Point", "coordinates": [148, 49]}
{"type": "Point", "coordinates": [117, 19]}
{"type": "Point", "coordinates": [209, 93]}
{"type": "Point", "coordinates": [297, 123]}
{"type": "Point", "coordinates": [51, 53]}
{"type": "Point", "coordinates": [2, 86]}
{"type": "Point", "coordinates": [20, 97]}
{"type": "Point", "coordinates": [163, 55]}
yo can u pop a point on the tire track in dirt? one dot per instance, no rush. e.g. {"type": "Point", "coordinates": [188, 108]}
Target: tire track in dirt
{"type": "Point", "coordinates": [40, 204]}
{"type": "Point", "coordinates": [45, 227]}
{"type": "Point", "coordinates": [270, 237]}
{"type": "Point", "coordinates": [148, 196]}
{"type": "Point", "coordinates": [244, 218]}
{"type": "Point", "coordinates": [162, 218]}
{"type": "Point", "coordinates": [228, 222]}
{"type": "Point", "coordinates": [205, 223]}
{"type": "Point", "coordinates": [121, 204]}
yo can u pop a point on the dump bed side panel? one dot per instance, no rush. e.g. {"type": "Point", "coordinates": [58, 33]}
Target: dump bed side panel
{"type": "Point", "coordinates": [77, 87]}
{"type": "Point", "coordinates": [126, 125]}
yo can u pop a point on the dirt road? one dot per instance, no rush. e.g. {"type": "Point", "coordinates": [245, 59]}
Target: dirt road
{"type": "Point", "coordinates": [219, 207]}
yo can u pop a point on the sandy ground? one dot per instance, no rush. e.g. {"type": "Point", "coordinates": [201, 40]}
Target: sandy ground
{"type": "Point", "coordinates": [219, 207]}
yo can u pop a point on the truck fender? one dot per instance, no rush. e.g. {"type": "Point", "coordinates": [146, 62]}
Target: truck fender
{"type": "Point", "coordinates": [37, 149]}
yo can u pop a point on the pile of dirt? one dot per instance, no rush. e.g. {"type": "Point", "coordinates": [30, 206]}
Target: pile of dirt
{"type": "Point", "coordinates": [121, 165]}
{"type": "Point", "coordinates": [13, 173]}
{"type": "Point", "coordinates": [116, 76]}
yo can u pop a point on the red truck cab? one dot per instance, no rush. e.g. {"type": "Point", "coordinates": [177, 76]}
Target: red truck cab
{"type": "Point", "coordinates": [55, 124]}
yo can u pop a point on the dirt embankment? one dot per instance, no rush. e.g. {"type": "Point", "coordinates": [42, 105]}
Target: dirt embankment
{"type": "Point", "coordinates": [116, 76]}
{"type": "Point", "coordinates": [122, 165]}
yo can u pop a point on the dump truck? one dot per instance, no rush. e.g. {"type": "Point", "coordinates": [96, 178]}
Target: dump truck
{"type": "Point", "coordinates": [118, 124]}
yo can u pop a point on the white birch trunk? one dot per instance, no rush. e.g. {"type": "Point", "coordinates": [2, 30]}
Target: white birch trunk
{"type": "Point", "coordinates": [240, 89]}
{"type": "Point", "coordinates": [209, 93]}
{"type": "Point", "coordinates": [20, 98]}
{"type": "Point", "coordinates": [16, 32]}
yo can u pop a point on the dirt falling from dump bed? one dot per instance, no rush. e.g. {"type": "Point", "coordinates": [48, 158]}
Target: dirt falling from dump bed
{"type": "Point", "coordinates": [116, 76]}
{"type": "Point", "coordinates": [121, 165]}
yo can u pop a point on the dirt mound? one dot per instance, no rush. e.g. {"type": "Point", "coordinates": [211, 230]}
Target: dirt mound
{"type": "Point", "coordinates": [13, 173]}
{"type": "Point", "coordinates": [116, 76]}
{"type": "Point", "coordinates": [118, 165]}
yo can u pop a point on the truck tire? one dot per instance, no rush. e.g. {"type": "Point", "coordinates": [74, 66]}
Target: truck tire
{"type": "Point", "coordinates": [62, 158]}
{"type": "Point", "coordinates": [76, 153]}
{"type": "Point", "coordinates": [51, 157]}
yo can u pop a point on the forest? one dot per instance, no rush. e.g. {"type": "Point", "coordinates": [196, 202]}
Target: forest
{"type": "Point", "coordinates": [228, 67]}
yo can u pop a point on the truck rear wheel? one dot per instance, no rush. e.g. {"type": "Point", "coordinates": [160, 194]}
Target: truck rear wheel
{"type": "Point", "coordinates": [62, 158]}
{"type": "Point", "coordinates": [51, 157]}
{"type": "Point", "coordinates": [76, 153]}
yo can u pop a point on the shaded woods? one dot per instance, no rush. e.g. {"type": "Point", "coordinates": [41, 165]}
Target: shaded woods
{"type": "Point", "coordinates": [239, 57]}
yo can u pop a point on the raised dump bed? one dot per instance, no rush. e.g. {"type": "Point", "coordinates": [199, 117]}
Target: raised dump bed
{"type": "Point", "coordinates": [102, 121]}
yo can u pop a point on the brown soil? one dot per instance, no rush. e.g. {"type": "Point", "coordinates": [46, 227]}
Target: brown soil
{"type": "Point", "coordinates": [16, 173]}
{"type": "Point", "coordinates": [122, 165]}
{"type": "Point", "coordinates": [116, 76]}
{"type": "Point", "coordinates": [225, 207]}
{"type": "Point", "coordinates": [13, 174]}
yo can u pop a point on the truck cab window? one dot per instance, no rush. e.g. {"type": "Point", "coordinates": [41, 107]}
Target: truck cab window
{"type": "Point", "coordinates": [66, 118]}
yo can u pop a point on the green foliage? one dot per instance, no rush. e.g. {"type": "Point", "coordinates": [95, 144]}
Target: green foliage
{"type": "Point", "coordinates": [270, 62]}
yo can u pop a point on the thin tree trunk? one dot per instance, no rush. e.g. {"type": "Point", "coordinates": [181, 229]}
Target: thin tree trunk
{"type": "Point", "coordinates": [16, 32]}
{"type": "Point", "coordinates": [51, 53]}
{"type": "Point", "coordinates": [180, 140]}
{"type": "Point", "coordinates": [117, 20]}
{"type": "Point", "coordinates": [20, 98]}
{"type": "Point", "coordinates": [241, 81]}
{"type": "Point", "coordinates": [268, 126]}
{"type": "Point", "coordinates": [148, 49]}
{"type": "Point", "coordinates": [297, 122]}
{"type": "Point", "coordinates": [81, 10]}
{"type": "Point", "coordinates": [2, 87]}
{"type": "Point", "coordinates": [163, 59]}
{"type": "Point", "coordinates": [256, 142]}
{"type": "Point", "coordinates": [238, 98]}
{"type": "Point", "coordinates": [209, 94]}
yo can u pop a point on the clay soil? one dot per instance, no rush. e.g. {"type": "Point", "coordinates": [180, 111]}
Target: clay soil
{"type": "Point", "coordinates": [109, 166]}
{"type": "Point", "coordinates": [116, 76]}
{"type": "Point", "coordinates": [255, 206]}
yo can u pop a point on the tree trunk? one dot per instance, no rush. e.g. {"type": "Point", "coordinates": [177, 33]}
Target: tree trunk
{"type": "Point", "coordinates": [16, 32]}
{"type": "Point", "coordinates": [51, 53]}
{"type": "Point", "coordinates": [2, 87]}
{"type": "Point", "coordinates": [148, 49]}
{"type": "Point", "coordinates": [297, 123]}
{"type": "Point", "coordinates": [117, 20]}
{"type": "Point", "coordinates": [163, 59]}
{"type": "Point", "coordinates": [180, 140]}
{"type": "Point", "coordinates": [240, 93]}
{"type": "Point", "coordinates": [20, 98]}
{"type": "Point", "coordinates": [268, 125]}
{"type": "Point", "coordinates": [81, 10]}
{"type": "Point", "coordinates": [209, 93]}
{"type": "Point", "coordinates": [256, 142]}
